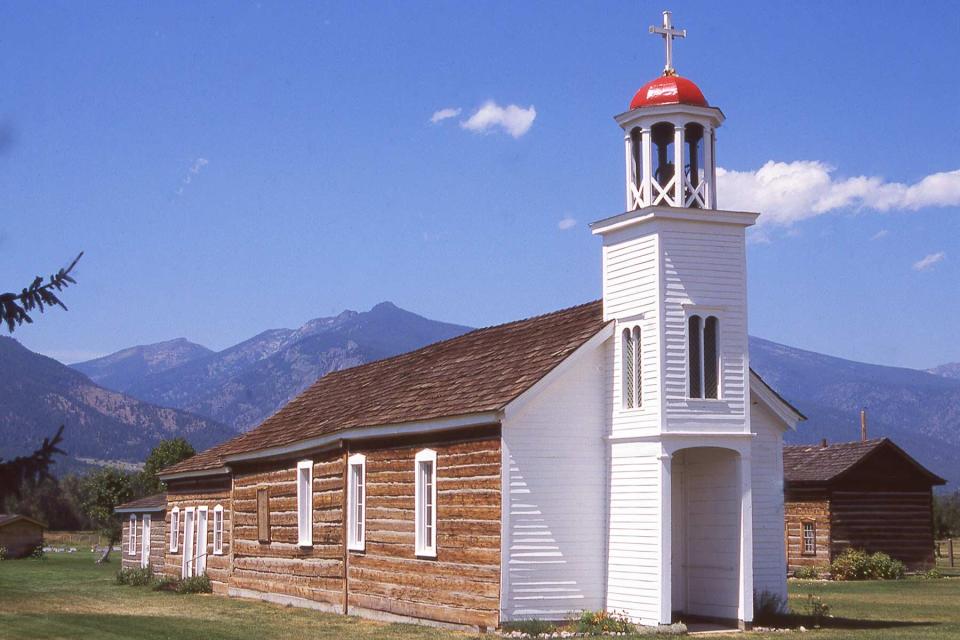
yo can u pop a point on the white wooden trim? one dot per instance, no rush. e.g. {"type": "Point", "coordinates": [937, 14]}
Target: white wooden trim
{"type": "Point", "coordinates": [200, 552]}
{"type": "Point", "coordinates": [305, 516]}
{"type": "Point", "coordinates": [424, 549]}
{"type": "Point", "coordinates": [353, 542]}
{"type": "Point", "coordinates": [145, 540]}
{"type": "Point", "coordinates": [790, 416]}
{"type": "Point", "coordinates": [189, 526]}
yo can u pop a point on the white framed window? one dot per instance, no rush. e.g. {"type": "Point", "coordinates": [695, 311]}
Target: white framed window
{"type": "Point", "coordinates": [174, 529]}
{"type": "Point", "coordinates": [632, 366]}
{"type": "Point", "coordinates": [356, 501]}
{"type": "Point", "coordinates": [305, 503]}
{"type": "Point", "coordinates": [218, 530]}
{"type": "Point", "coordinates": [132, 536]}
{"type": "Point", "coordinates": [426, 503]}
{"type": "Point", "coordinates": [703, 356]}
{"type": "Point", "coordinates": [809, 539]}
{"type": "Point", "coordinates": [200, 557]}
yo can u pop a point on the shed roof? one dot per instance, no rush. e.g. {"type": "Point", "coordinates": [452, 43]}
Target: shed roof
{"type": "Point", "coordinates": [10, 518]}
{"type": "Point", "coordinates": [814, 463]}
{"type": "Point", "coordinates": [156, 502]}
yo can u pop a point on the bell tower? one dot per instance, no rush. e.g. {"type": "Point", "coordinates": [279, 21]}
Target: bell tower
{"type": "Point", "coordinates": [675, 289]}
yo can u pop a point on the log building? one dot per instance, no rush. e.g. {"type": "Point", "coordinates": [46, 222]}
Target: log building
{"type": "Point", "coordinates": [868, 495]}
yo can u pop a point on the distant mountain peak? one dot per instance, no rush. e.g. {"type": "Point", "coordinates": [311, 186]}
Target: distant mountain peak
{"type": "Point", "coordinates": [949, 370]}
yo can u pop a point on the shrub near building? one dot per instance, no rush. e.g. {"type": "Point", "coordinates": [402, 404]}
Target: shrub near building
{"type": "Point", "coordinates": [855, 564]}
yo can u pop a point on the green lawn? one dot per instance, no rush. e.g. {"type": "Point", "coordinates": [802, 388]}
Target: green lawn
{"type": "Point", "coordinates": [68, 596]}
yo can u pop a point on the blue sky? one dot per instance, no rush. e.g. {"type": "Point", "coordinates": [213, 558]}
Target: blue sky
{"type": "Point", "coordinates": [233, 167]}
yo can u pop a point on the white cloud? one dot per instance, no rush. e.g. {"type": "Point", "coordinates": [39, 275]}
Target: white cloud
{"type": "Point", "coordinates": [786, 192]}
{"type": "Point", "coordinates": [444, 114]}
{"type": "Point", "coordinates": [883, 233]}
{"type": "Point", "coordinates": [195, 168]}
{"type": "Point", "coordinates": [928, 261]}
{"type": "Point", "coordinates": [512, 119]}
{"type": "Point", "coordinates": [567, 223]}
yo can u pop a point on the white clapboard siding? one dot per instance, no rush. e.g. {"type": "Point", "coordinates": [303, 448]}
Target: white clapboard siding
{"type": "Point", "coordinates": [633, 580]}
{"type": "Point", "coordinates": [769, 560]}
{"type": "Point", "coordinates": [632, 297]}
{"type": "Point", "coordinates": [554, 500]}
{"type": "Point", "coordinates": [704, 265]}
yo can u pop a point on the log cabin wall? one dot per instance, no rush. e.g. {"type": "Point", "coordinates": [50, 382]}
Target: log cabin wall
{"type": "Point", "coordinates": [306, 576]}
{"type": "Point", "coordinates": [200, 493]}
{"type": "Point", "coordinates": [885, 504]}
{"type": "Point", "coordinates": [461, 586]}
{"type": "Point", "coordinates": [158, 532]}
{"type": "Point", "coordinates": [801, 507]}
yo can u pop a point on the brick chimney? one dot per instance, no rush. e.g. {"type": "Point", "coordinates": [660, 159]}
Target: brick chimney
{"type": "Point", "coordinates": [863, 425]}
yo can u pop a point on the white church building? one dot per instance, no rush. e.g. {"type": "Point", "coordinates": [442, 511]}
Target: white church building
{"type": "Point", "coordinates": [618, 455]}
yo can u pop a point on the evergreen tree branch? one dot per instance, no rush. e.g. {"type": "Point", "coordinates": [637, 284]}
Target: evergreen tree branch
{"type": "Point", "coordinates": [15, 307]}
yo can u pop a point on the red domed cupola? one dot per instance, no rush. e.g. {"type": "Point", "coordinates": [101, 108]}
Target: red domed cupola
{"type": "Point", "coordinates": [670, 139]}
{"type": "Point", "coordinates": [671, 89]}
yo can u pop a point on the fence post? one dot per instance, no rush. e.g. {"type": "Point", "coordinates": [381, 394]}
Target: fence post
{"type": "Point", "coordinates": [950, 551]}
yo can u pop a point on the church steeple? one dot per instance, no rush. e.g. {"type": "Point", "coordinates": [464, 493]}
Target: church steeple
{"type": "Point", "coordinates": [670, 125]}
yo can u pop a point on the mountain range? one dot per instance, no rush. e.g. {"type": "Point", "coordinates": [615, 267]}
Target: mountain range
{"type": "Point", "coordinates": [38, 394]}
{"type": "Point", "coordinates": [236, 388]}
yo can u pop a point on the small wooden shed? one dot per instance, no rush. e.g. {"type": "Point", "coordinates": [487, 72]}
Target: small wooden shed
{"type": "Point", "coordinates": [868, 495]}
{"type": "Point", "coordinates": [144, 532]}
{"type": "Point", "coordinates": [20, 535]}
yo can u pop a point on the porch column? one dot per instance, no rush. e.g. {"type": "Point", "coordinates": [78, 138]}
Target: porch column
{"type": "Point", "coordinates": [745, 610]}
{"type": "Point", "coordinates": [666, 539]}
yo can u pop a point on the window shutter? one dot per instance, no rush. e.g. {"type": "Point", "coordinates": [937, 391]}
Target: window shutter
{"type": "Point", "coordinates": [263, 515]}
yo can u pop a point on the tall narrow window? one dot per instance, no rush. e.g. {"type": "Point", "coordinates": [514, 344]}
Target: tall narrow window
{"type": "Point", "coordinates": [175, 529]}
{"type": "Point", "coordinates": [809, 539]}
{"type": "Point", "coordinates": [132, 536]}
{"type": "Point", "coordinates": [711, 360]}
{"type": "Point", "coordinates": [305, 503]}
{"type": "Point", "coordinates": [694, 355]}
{"type": "Point", "coordinates": [426, 503]}
{"type": "Point", "coordinates": [356, 501]}
{"type": "Point", "coordinates": [263, 515]}
{"type": "Point", "coordinates": [632, 369]}
{"type": "Point", "coordinates": [703, 356]}
{"type": "Point", "coordinates": [218, 530]}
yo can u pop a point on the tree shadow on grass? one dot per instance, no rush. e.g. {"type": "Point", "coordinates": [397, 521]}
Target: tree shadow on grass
{"type": "Point", "coordinates": [795, 621]}
{"type": "Point", "coordinates": [104, 626]}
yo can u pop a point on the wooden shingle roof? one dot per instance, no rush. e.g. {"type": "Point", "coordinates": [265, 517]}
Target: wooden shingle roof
{"type": "Point", "coordinates": [477, 372]}
{"type": "Point", "coordinates": [156, 502]}
{"type": "Point", "coordinates": [815, 463]}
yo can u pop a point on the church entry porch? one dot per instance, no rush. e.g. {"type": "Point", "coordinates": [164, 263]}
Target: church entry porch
{"type": "Point", "coordinates": [707, 535]}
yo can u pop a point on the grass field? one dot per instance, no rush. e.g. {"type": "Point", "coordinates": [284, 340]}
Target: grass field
{"type": "Point", "coordinates": [68, 596]}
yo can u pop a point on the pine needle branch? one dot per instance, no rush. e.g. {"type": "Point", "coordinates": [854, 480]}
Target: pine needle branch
{"type": "Point", "coordinates": [15, 307]}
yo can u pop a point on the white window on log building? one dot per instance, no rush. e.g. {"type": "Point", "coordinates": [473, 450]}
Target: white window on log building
{"type": "Point", "coordinates": [218, 530]}
{"type": "Point", "coordinates": [305, 503]}
{"type": "Point", "coordinates": [809, 539]}
{"type": "Point", "coordinates": [426, 503]}
{"type": "Point", "coordinates": [175, 529]}
{"type": "Point", "coordinates": [132, 537]}
{"type": "Point", "coordinates": [703, 357]}
{"type": "Point", "coordinates": [356, 501]}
